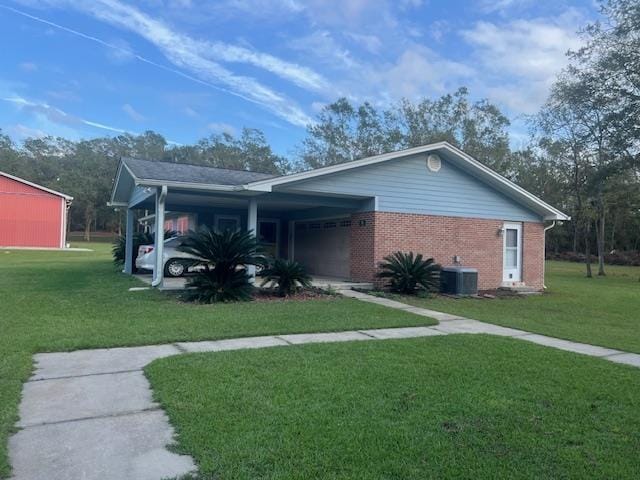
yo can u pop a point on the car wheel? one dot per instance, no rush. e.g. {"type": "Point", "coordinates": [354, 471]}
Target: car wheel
{"type": "Point", "coordinates": [174, 268]}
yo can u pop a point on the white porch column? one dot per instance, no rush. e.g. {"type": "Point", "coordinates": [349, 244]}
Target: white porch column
{"type": "Point", "coordinates": [128, 243]}
{"type": "Point", "coordinates": [158, 271]}
{"type": "Point", "coordinates": [252, 227]}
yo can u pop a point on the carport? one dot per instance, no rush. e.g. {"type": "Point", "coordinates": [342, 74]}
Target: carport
{"type": "Point", "coordinates": [312, 228]}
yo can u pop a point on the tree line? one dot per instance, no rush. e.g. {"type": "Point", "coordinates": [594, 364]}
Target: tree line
{"type": "Point", "coordinates": [583, 155]}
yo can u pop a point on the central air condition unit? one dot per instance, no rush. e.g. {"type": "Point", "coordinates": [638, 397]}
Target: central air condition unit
{"type": "Point", "coordinates": [459, 280]}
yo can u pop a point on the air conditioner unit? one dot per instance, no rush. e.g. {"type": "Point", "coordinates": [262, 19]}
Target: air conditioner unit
{"type": "Point", "coordinates": [459, 280]}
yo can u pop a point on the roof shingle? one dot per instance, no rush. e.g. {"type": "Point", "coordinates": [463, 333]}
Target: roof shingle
{"type": "Point", "coordinates": [185, 173]}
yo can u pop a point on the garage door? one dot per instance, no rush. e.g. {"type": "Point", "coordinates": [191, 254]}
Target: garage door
{"type": "Point", "coordinates": [323, 247]}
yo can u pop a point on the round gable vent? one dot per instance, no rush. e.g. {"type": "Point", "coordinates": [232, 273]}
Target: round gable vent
{"type": "Point", "coordinates": [434, 163]}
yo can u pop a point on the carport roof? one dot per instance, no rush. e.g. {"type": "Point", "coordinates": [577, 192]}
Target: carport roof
{"type": "Point", "coordinates": [184, 173]}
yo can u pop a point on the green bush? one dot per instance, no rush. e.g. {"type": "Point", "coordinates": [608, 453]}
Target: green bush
{"type": "Point", "coordinates": [288, 275]}
{"type": "Point", "coordinates": [410, 274]}
{"type": "Point", "coordinates": [223, 258]}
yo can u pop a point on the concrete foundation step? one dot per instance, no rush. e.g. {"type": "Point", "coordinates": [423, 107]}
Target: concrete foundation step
{"type": "Point", "coordinates": [520, 289]}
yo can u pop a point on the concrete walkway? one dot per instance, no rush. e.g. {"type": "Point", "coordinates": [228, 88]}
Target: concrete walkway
{"type": "Point", "coordinates": [90, 415]}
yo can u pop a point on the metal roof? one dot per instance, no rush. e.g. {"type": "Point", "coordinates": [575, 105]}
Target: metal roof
{"type": "Point", "coordinates": [191, 174]}
{"type": "Point", "coordinates": [35, 185]}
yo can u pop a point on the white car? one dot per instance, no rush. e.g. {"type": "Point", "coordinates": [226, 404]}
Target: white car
{"type": "Point", "coordinates": [176, 263]}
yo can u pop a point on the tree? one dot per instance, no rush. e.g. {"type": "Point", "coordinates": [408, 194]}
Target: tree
{"type": "Point", "coordinates": [250, 151]}
{"type": "Point", "coordinates": [478, 128]}
{"type": "Point", "coordinates": [598, 99]}
{"type": "Point", "coordinates": [344, 132]}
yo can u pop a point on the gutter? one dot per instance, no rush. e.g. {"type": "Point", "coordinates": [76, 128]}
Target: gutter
{"type": "Point", "coordinates": [544, 255]}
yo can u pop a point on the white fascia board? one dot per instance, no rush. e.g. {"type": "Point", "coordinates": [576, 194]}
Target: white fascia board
{"type": "Point", "coordinates": [35, 185]}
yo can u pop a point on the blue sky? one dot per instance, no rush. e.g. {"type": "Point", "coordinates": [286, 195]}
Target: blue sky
{"type": "Point", "coordinates": [190, 68]}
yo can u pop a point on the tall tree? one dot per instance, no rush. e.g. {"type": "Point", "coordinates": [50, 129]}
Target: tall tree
{"type": "Point", "coordinates": [599, 96]}
{"type": "Point", "coordinates": [344, 132]}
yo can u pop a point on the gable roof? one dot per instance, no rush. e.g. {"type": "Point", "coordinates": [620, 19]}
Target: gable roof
{"type": "Point", "coordinates": [145, 170]}
{"type": "Point", "coordinates": [152, 173]}
{"type": "Point", "coordinates": [35, 185]}
{"type": "Point", "coordinates": [455, 155]}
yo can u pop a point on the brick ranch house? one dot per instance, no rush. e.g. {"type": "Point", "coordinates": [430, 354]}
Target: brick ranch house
{"type": "Point", "coordinates": [340, 221]}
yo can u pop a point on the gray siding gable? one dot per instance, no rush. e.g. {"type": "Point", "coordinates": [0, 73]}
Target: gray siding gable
{"type": "Point", "coordinates": [406, 185]}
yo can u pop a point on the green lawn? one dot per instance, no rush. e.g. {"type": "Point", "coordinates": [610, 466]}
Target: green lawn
{"type": "Point", "coordinates": [459, 406]}
{"type": "Point", "coordinates": [601, 310]}
{"type": "Point", "coordinates": [53, 301]}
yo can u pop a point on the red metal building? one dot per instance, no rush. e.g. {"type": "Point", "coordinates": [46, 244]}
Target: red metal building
{"type": "Point", "coordinates": [31, 215]}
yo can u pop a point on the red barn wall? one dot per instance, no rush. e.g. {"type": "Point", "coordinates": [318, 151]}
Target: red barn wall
{"type": "Point", "coordinates": [30, 217]}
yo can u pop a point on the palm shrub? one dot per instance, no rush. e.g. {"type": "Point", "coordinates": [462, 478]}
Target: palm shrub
{"type": "Point", "coordinates": [288, 275]}
{"type": "Point", "coordinates": [409, 274]}
{"type": "Point", "coordinates": [223, 258]}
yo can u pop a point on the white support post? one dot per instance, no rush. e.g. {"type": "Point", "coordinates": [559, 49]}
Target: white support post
{"type": "Point", "coordinates": [158, 271]}
{"type": "Point", "coordinates": [252, 227]}
{"type": "Point", "coordinates": [128, 243]}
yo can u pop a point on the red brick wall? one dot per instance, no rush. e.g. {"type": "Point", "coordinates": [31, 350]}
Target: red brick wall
{"type": "Point", "coordinates": [476, 241]}
{"type": "Point", "coordinates": [362, 258]}
{"type": "Point", "coordinates": [533, 254]}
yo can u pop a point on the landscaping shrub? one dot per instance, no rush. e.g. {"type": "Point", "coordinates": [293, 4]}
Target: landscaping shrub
{"type": "Point", "coordinates": [224, 256]}
{"type": "Point", "coordinates": [288, 275]}
{"type": "Point", "coordinates": [410, 274]}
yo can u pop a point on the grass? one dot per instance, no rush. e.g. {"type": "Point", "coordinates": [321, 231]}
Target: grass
{"type": "Point", "coordinates": [441, 407]}
{"type": "Point", "coordinates": [55, 301]}
{"type": "Point", "coordinates": [601, 310]}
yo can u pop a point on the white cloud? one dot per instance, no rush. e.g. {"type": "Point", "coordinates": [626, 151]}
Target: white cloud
{"type": "Point", "coordinates": [534, 48]}
{"type": "Point", "coordinates": [21, 132]}
{"type": "Point", "coordinates": [317, 107]}
{"type": "Point", "coordinates": [28, 67]}
{"type": "Point", "coordinates": [419, 71]}
{"type": "Point", "coordinates": [133, 113]}
{"type": "Point", "coordinates": [186, 53]}
{"type": "Point", "coordinates": [123, 15]}
{"type": "Point", "coordinates": [519, 60]}
{"type": "Point", "coordinates": [122, 53]}
{"type": "Point", "coordinates": [221, 127]}
{"type": "Point", "coordinates": [371, 43]}
{"type": "Point", "coordinates": [322, 45]}
{"type": "Point", "coordinates": [63, 95]}
{"type": "Point", "coordinates": [190, 112]}
{"type": "Point", "coordinates": [501, 6]}
{"type": "Point", "coordinates": [56, 115]}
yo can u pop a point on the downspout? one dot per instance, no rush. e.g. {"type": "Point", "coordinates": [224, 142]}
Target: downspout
{"type": "Point", "coordinates": [544, 253]}
{"type": "Point", "coordinates": [160, 238]}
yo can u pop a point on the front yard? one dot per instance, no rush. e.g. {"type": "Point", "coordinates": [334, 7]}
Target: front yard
{"type": "Point", "coordinates": [434, 407]}
{"type": "Point", "coordinates": [460, 406]}
{"type": "Point", "coordinates": [56, 301]}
